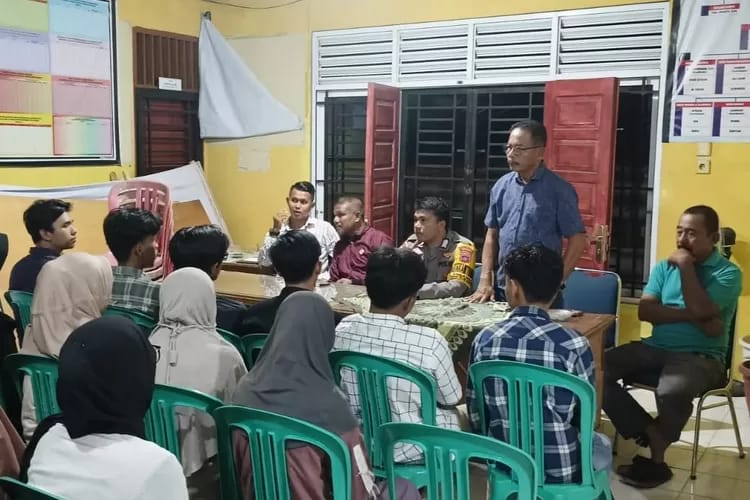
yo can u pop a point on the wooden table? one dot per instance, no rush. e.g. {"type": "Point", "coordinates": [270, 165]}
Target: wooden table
{"type": "Point", "coordinates": [245, 267]}
{"type": "Point", "coordinates": [253, 288]}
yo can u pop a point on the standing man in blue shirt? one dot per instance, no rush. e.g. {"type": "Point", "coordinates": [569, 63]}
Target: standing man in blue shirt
{"type": "Point", "coordinates": [50, 226]}
{"type": "Point", "coordinates": [690, 300]}
{"type": "Point", "coordinates": [531, 205]}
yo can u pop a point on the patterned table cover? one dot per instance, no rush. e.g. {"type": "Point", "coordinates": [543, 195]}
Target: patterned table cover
{"type": "Point", "coordinates": [455, 318]}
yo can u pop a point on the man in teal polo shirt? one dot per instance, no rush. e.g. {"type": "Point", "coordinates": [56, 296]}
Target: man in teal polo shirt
{"type": "Point", "coordinates": [690, 300]}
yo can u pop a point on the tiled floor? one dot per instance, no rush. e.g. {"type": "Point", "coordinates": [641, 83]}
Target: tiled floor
{"type": "Point", "coordinates": [721, 475]}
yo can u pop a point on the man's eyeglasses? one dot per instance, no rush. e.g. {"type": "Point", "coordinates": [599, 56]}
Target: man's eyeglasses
{"type": "Point", "coordinates": [510, 148]}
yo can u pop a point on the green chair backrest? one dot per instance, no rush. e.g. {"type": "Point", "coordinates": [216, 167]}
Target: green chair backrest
{"type": "Point", "coordinates": [447, 454]}
{"type": "Point", "coordinates": [372, 374]}
{"type": "Point", "coordinates": [524, 389]}
{"type": "Point", "coordinates": [145, 321]}
{"type": "Point", "coordinates": [233, 339]}
{"type": "Point", "coordinates": [43, 373]}
{"type": "Point", "coordinates": [20, 302]}
{"type": "Point", "coordinates": [161, 419]}
{"type": "Point", "coordinates": [21, 491]}
{"type": "Point", "coordinates": [268, 434]}
{"type": "Point", "coordinates": [252, 346]}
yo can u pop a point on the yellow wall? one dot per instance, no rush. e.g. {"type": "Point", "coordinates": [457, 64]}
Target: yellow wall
{"type": "Point", "coordinates": [248, 198]}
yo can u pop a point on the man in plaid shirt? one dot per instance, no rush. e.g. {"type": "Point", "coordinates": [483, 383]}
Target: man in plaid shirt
{"type": "Point", "coordinates": [131, 237]}
{"type": "Point", "coordinates": [533, 277]}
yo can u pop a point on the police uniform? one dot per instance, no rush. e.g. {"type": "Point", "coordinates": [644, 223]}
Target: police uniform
{"type": "Point", "coordinates": [450, 265]}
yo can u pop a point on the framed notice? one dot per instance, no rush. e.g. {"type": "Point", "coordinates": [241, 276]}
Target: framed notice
{"type": "Point", "coordinates": [57, 81]}
{"type": "Point", "coordinates": [711, 74]}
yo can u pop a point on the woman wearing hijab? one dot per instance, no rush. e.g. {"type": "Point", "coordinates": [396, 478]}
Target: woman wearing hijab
{"type": "Point", "coordinates": [70, 291]}
{"type": "Point", "coordinates": [293, 377]}
{"type": "Point", "coordinates": [96, 447]}
{"type": "Point", "coordinates": [194, 356]}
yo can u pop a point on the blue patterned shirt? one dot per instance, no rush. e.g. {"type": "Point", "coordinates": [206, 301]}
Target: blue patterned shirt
{"type": "Point", "coordinates": [530, 336]}
{"type": "Point", "coordinates": [540, 212]}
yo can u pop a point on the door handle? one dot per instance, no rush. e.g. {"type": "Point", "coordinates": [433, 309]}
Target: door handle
{"type": "Point", "coordinates": [600, 239]}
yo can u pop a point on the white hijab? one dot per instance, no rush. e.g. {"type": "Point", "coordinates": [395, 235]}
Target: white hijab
{"type": "Point", "coordinates": [70, 290]}
{"type": "Point", "coordinates": [193, 355]}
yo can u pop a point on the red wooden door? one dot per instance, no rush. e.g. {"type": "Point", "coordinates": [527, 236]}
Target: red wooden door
{"type": "Point", "coordinates": [381, 157]}
{"type": "Point", "coordinates": [581, 121]}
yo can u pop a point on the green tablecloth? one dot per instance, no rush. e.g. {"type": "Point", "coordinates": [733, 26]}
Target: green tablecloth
{"type": "Point", "coordinates": [455, 318]}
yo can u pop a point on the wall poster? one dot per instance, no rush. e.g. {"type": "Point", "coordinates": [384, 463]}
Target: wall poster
{"type": "Point", "coordinates": [711, 75]}
{"type": "Point", "coordinates": [57, 81]}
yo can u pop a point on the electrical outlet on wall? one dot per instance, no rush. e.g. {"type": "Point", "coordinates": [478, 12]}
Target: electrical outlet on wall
{"type": "Point", "coordinates": [703, 166]}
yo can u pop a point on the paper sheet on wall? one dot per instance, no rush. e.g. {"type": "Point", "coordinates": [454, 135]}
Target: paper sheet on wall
{"type": "Point", "coordinates": [711, 75]}
{"type": "Point", "coordinates": [232, 102]}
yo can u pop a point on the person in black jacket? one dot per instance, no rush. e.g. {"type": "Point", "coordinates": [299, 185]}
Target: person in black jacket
{"type": "Point", "coordinates": [295, 256]}
{"type": "Point", "coordinates": [205, 247]}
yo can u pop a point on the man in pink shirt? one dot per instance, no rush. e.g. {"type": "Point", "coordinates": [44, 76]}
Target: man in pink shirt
{"type": "Point", "coordinates": [358, 241]}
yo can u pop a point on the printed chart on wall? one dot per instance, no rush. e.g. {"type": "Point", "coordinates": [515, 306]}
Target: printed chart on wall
{"type": "Point", "coordinates": [711, 93]}
{"type": "Point", "coordinates": [56, 81]}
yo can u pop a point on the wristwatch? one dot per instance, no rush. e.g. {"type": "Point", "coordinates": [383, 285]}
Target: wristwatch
{"type": "Point", "coordinates": [273, 232]}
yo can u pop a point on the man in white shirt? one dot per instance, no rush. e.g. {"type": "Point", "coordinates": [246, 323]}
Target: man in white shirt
{"type": "Point", "coordinates": [394, 276]}
{"type": "Point", "coordinates": [300, 201]}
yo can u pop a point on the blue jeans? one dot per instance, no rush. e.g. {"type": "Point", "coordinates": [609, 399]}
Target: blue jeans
{"type": "Point", "coordinates": [602, 452]}
{"type": "Point", "coordinates": [558, 303]}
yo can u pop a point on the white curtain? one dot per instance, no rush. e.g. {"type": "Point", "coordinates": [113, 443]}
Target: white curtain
{"type": "Point", "coordinates": [233, 103]}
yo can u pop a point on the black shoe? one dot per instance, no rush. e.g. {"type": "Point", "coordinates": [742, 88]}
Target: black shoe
{"type": "Point", "coordinates": [624, 469]}
{"type": "Point", "coordinates": [645, 473]}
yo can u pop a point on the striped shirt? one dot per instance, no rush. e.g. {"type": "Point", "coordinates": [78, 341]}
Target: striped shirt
{"type": "Point", "coordinates": [529, 336]}
{"type": "Point", "coordinates": [132, 289]}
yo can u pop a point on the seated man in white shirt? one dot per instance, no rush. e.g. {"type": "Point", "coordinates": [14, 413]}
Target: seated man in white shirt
{"type": "Point", "coordinates": [394, 276]}
{"type": "Point", "coordinates": [301, 201]}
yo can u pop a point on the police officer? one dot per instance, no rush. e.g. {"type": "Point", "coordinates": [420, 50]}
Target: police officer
{"type": "Point", "coordinates": [449, 257]}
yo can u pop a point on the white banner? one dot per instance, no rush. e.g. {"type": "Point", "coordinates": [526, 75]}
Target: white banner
{"type": "Point", "coordinates": [711, 89]}
{"type": "Point", "coordinates": [233, 103]}
{"type": "Point", "coordinates": [185, 183]}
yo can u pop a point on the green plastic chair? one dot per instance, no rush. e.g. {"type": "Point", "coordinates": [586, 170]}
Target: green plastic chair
{"type": "Point", "coordinates": [447, 455]}
{"type": "Point", "coordinates": [252, 345]}
{"type": "Point", "coordinates": [524, 385]}
{"type": "Point", "coordinates": [233, 339]}
{"type": "Point", "coordinates": [145, 321]}
{"type": "Point", "coordinates": [20, 302]}
{"type": "Point", "coordinates": [268, 434]}
{"type": "Point", "coordinates": [43, 373]}
{"type": "Point", "coordinates": [372, 374]}
{"type": "Point", "coordinates": [161, 419]}
{"type": "Point", "coordinates": [21, 491]}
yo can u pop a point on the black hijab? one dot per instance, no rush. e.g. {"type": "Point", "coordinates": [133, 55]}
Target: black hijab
{"type": "Point", "coordinates": [105, 382]}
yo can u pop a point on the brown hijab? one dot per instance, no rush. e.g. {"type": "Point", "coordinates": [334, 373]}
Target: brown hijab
{"type": "Point", "coordinates": [71, 290]}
